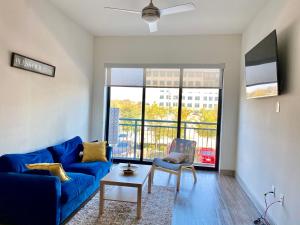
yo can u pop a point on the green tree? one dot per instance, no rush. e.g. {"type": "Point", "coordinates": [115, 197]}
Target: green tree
{"type": "Point", "coordinates": [128, 109]}
{"type": "Point", "coordinates": [209, 116]}
{"type": "Point", "coordinates": [158, 130]}
{"type": "Point", "coordinates": [156, 112]}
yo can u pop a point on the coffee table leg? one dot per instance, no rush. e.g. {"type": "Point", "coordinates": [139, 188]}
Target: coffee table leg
{"type": "Point", "coordinates": [101, 203]}
{"type": "Point", "coordinates": [149, 182]}
{"type": "Point", "coordinates": [139, 202]}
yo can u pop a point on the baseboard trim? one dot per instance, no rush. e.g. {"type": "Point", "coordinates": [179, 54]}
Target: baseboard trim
{"type": "Point", "coordinates": [227, 173]}
{"type": "Point", "coordinates": [257, 205]}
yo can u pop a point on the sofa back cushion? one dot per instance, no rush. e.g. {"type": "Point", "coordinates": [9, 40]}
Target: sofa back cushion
{"type": "Point", "coordinates": [17, 162]}
{"type": "Point", "coordinates": [67, 152]}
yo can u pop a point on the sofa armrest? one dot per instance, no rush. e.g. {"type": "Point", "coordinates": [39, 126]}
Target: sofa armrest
{"type": "Point", "coordinates": [29, 199]}
{"type": "Point", "coordinates": [109, 153]}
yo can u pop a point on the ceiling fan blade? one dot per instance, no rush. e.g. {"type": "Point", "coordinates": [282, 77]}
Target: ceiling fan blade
{"type": "Point", "coordinates": [178, 9]}
{"type": "Point", "coordinates": [123, 10]}
{"type": "Point", "coordinates": [153, 27]}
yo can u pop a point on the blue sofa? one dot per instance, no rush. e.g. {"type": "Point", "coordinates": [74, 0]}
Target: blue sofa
{"type": "Point", "coordinates": [35, 197]}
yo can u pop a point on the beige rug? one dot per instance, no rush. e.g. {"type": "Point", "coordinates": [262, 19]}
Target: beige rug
{"type": "Point", "coordinates": [156, 210]}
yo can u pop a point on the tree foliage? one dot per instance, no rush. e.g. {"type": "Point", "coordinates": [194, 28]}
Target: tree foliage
{"type": "Point", "coordinates": [128, 109]}
{"type": "Point", "coordinates": [133, 110]}
{"type": "Point", "coordinates": [156, 112]}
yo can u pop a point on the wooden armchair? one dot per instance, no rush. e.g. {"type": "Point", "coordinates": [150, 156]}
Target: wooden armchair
{"type": "Point", "coordinates": [182, 146]}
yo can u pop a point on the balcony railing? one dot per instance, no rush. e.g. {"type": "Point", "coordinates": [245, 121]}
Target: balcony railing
{"type": "Point", "coordinates": [158, 135]}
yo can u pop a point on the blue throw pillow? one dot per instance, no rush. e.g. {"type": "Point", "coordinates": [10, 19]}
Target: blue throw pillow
{"type": "Point", "coordinates": [67, 152]}
{"type": "Point", "coordinates": [17, 162]}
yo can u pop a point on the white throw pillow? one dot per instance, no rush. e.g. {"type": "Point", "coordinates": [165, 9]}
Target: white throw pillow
{"type": "Point", "coordinates": [175, 157]}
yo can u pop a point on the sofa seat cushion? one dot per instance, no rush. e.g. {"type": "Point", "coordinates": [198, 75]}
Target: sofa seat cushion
{"type": "Point", "coordinates": [78, 183]}
{"type": "Point", "coordinates": [39, 172]}
{"type": "Point", "coordinates": [68, 151]}
{"type": "Point", "coordinates": [97, 169]}
{"type": "Point", "coordinates": [17, 162]}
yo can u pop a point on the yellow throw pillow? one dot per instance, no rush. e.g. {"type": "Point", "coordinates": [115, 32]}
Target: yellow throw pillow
{"type": "Point", "coordinates": [55, 168]}
{"type": "Point", "coordinates": [94, 151]}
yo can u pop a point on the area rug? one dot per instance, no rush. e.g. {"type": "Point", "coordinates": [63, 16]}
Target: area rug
{"type": "Point", "coordinates": [157, 209]}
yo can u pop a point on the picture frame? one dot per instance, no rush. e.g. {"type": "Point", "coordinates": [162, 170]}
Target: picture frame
{"type": "Point", "coordinates": [29, 64]}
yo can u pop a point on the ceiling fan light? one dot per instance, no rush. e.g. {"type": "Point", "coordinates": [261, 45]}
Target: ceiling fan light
{"type": "Point", "coordinates": [151, 13]}
{"type": "Point", "coordinates": [150, 18]}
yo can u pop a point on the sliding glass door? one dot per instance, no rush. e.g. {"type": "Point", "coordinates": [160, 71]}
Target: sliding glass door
{"type": "Point", "coordinates": [125, 121]}
{"type": "Point", "coordinates": [199, 120]}
{"type": "Point", "coordinates": [150, 106]}
{"type": "Point", "coordinates": [200, 113]}
{"type": "Point", "coordinates": [125, 113]}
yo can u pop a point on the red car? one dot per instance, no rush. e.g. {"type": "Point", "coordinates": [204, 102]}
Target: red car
{"type": "Point", "coordinates": [206, 155]}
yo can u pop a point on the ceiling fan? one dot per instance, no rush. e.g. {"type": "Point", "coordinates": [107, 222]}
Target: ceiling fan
{"type": "Point", "coordinates": [151, 14]}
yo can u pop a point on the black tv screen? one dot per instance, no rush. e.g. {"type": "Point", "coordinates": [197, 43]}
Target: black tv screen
{"type": "Point", "coordinates": [261, 69]}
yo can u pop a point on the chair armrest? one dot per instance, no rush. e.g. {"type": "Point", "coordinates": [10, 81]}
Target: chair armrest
{"type": "Point", "coordinates": [29, 199]}
{"type": "Point", "coordinates": [109, 153]}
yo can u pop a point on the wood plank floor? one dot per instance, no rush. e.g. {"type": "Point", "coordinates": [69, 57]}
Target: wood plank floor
{"type": "Point", "coordinates": [213, 200]}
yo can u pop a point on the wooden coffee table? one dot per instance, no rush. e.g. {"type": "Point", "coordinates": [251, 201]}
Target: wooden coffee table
{"type": "Point", "coordinates": [125, 188]}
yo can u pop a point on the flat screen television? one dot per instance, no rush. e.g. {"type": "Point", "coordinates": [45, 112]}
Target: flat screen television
{"type": "Point", "coordinates": [262, 69]}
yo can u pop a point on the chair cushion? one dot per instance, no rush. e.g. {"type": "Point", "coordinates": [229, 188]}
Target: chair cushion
{"type": "Point", "coordinates": [161, 163]}
{"type": "Point", "coordinates": [75, 186]}
{"type": "Point", "coordinates": [67, 152]}
{"type": "Point", "coordinates": [97, 169]}
{"type": "Point", "coordinates": [184, 146]}
{"type": "Point", "coordinates": [175, 157]}
{"type": "Point", "coordinates": [17, 162]}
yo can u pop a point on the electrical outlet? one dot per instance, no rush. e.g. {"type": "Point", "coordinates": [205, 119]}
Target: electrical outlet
{"type": "Point", "coordinates": [273, 189]}
{"type": "Point", "coordinates": [281, 199]}
{"type": "Point", "coordinates": [278, 107]}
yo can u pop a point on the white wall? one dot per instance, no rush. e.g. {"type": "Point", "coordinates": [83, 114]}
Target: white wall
{"type": "Point", "coordinates": [167, 50]}
{"type": "Point", "coordinates": [35, 110]}
{"type": "Point", "coordinates": [269, 142]}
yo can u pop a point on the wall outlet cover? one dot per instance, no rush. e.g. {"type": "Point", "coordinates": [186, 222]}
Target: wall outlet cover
{"type": "Point", "coordinates": [274, 190]}
{"type": "Point", "coordinates": [278, 107]}
{"type": "Point", "coordinates": [281, 198]}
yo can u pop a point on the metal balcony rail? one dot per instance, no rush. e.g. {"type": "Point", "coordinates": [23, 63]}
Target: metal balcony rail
{"type": "Point", "coordinates": [158, 135]}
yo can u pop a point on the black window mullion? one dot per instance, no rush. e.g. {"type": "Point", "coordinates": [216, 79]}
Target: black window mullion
{"type": "Point", "coordinates": [179, 104]}
{"type": "Point", "coordinates": [143, 125]}
{"type": "Point", "coordinates": [219, 129]}
{"type": "Point", "coordinates": [108, 92]}
{"type": "Point", "coordinates": [179, 112]}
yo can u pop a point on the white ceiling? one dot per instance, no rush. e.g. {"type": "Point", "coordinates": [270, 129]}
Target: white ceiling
{"type": "Point", "coordinates": [210, 16]}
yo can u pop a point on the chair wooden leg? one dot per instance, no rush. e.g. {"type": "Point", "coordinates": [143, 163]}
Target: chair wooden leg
{"type": "Point", "coordinates": [178, 179]}
{"type": "Point", "coordinates": [194, 174]}
{"type": "Point", "coordinates": [152, 173]}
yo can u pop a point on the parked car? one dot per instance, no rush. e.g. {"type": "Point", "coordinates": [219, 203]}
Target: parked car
{"type": "Point", "coordinates": [123, 145]}
{"type": "Point", "coordinates": [206, 155]}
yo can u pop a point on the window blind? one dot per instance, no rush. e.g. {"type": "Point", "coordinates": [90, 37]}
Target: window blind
{"type": "Point", "coordinates": [185, 77]}
{"type": "Point", "coordinates": [205, 78]}
{"type": "Point", "coordinates": [162, 77]}
{"type": "Point", "coordinates": [125, 77]}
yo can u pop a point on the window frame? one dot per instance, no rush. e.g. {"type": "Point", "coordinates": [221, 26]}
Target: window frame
{"type": "Point", "coordinates": [180, 102]}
